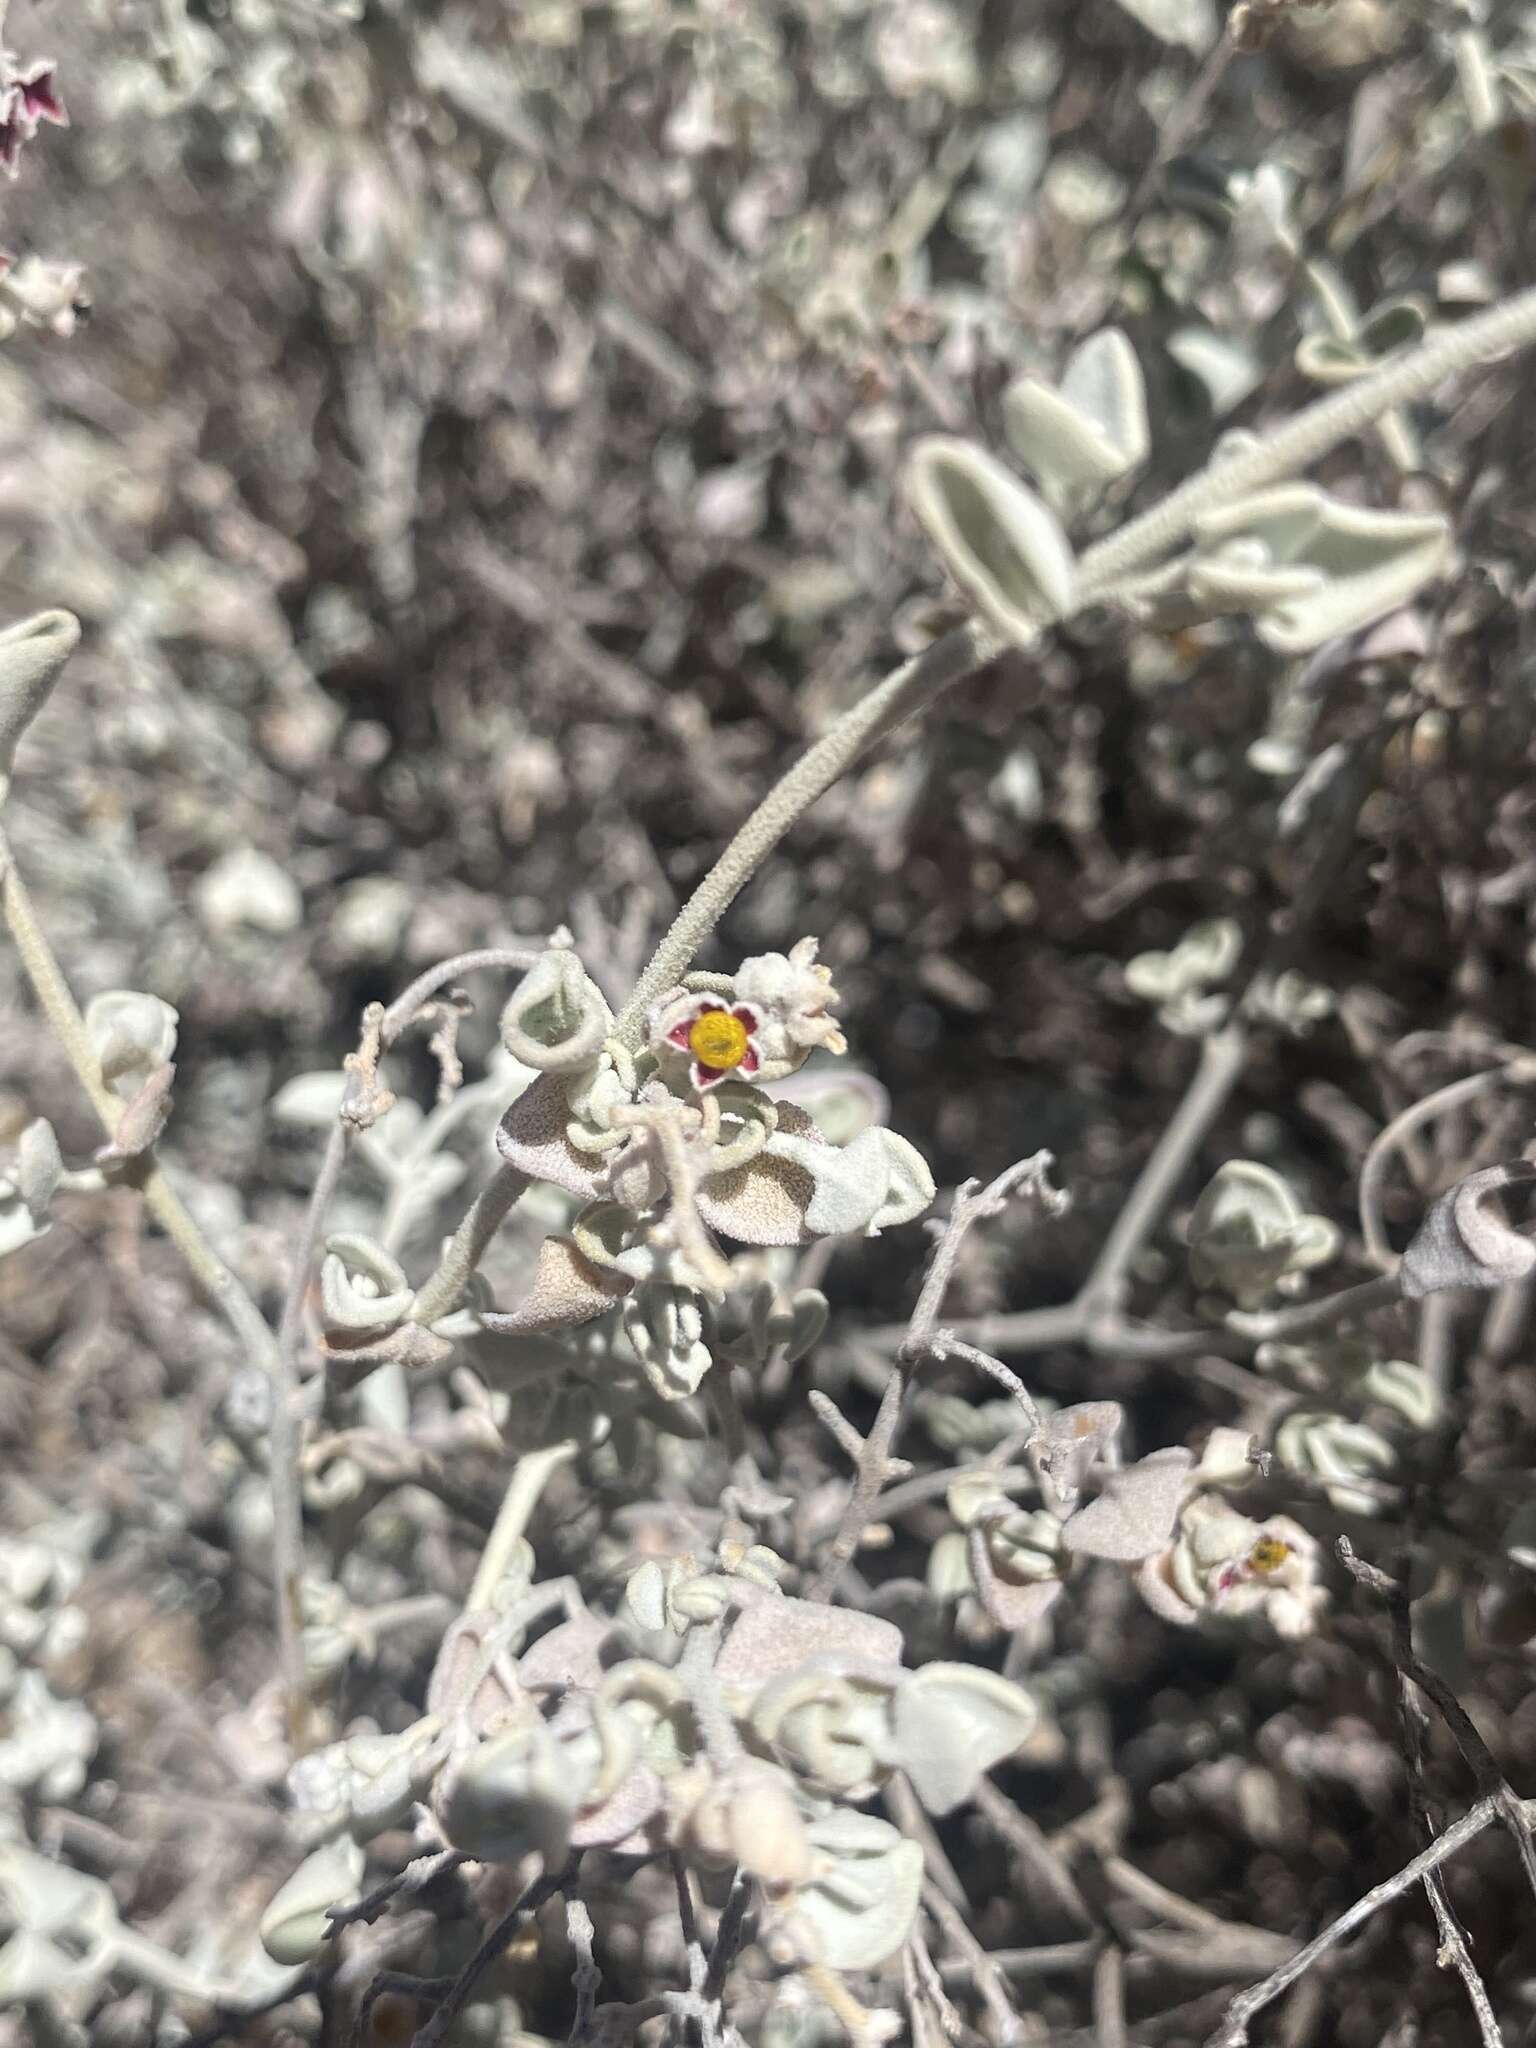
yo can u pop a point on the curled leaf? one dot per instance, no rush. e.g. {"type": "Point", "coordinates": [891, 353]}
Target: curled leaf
{"type": "Point", "coordinates": [952, 1723]}
{"type": "Point", "coordinates": [1248, 1231]}
{"type": "Point", "coordinates": [568, 1288]}
{"type": "Point", "coordinates": [514, 1794]}
{"type": "Point", "coordinates": [665, 1328]}
{"type": "Point", "coordinates": [861, 1188]}
{"type": "Point", "coordinates": [1310, 567]}
{"type": "Point", "coordinates": [860, 1905]}
{"type": "Point", "coordinates": [362, 1286]}
{"type": "Point", "coordinates": [1072, 1441]}
{"type": "Point", "coordinates": [32, 653]}
{"type": "Point", "coordinates": [1000, 542]}
{"type": "Point", "coordinates": [533, 1137]}
{"type": "Point", "coordinates": [1466, 1240]}
{"type": "Point", "coordinates": [132, 1035]}
{"type": "Point", "coordinates": [556, 1018]}
{"type": "Point", "coordinates": [295, 1923]}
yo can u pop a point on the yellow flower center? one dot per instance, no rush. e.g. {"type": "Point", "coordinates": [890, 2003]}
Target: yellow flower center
{"type": "Point", "coordinates": [1268, 1554]}
{"type": "Point", "coordinates": [718, 1040]}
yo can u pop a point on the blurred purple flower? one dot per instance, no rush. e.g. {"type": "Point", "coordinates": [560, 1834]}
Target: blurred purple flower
{"type": "Point", "coordinates": [28, 97]}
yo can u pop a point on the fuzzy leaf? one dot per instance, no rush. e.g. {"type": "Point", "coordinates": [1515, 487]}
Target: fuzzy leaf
{"type": "Point", "coordinates": [532, 1137]}
{"type": "Point", "coordinates": [776, 1635]}
{"type": "Point", "coordinates": [1466, 1241]}
{"type": "Point", "coordinates": [953, 1722]}
{"type": "Point", "coordinates": [665, 1329]}
{"type": "Point", "coordinates": [131, 1035]}
{"type": "Point", "coordinates": [1134, 1516]}
{"type": "Point", "coordinates": [1315, 566]}
{"type": "Point", "coordinates": [1073, 1440]}
{"type": "Point", "coordinates": [997, 539]}
{"type": "Point", "coordinates": [32, 652]}
{"type": "Point", "coordinates": [1090, 430]}
{"type": "Point", "coordinates": [517, 1792]}
{"type": "Point", "coordinates": [362, 1286]}
{"type": "Point", "coordinates": [38, 1168]}
{"type": "Point", "coordinates": [862, 1188]}
{"type": "Point", "coordinates": [567, 1289]}
{"type": "Point", "coordinates": [1248, 1231]}
{"type": "Point", "coordinates": [294, 1925]}
{"type": "Point", "coordinates": [556, 1018]}
{"type": "Point", "coordinates": [762, 1203]}
{"type": "Point", "coordinates": [861, 1904]}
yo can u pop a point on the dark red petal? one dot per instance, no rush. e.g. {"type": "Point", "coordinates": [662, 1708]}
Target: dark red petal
{"type": "Point", "coordinates": [745, 1013]}
{"type": "Point", "coordinates": [705, 1078]}
{"type": "Point", "coordinates": [39, 96]}
{"type": "Point", "coordinates": [12, 135]}
{"type": "Point", "coordinates": [749, 1062]}
{"type": "Point", "coordinates": [678, 1035]}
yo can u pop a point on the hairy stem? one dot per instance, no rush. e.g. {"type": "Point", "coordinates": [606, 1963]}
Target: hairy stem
{"type": "Point", "coordinates": [466, 1248]}
{"type": "Point", "coordinates": [1308, 437]}
{"type": "Point", "coordinates": [906, 690]}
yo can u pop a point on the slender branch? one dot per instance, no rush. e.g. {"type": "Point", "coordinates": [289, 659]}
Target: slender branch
{"type": "Point", "coordinates": [873, 1470]}
{"type": "Point", "coordinates": [1479, 1759]}
{"type": "Point", "coordinates": [467, 1247]}
{"type": "Point", "coordinates": [1307, 437]}
{"type": "Point", "coordinates": [1264, 1326]}
{"type": "Point", "coordinates": [991, 1985]}
{"type": "Point", "coordinates": [1222, 1058]}
{"type": "Point", "coordinates": [398, 1018]}
{"type": "Point", "coordinates": [970, 1207]}
{"type": "Point", "coordinates": [1517, 1073]}
{"type": "Point", "coordinates": [945, 1344]}
{"type": "Point", "coordinates": [404, 1009]}
{"type": "Point", "coordinates": [1233, 2031]}
{"type": "Point", "coordinates": [530, 1476]}
{"type": "Point", "coordinates": [905, 691]}
{"type": "Point", "coordinates": [462, 1987]}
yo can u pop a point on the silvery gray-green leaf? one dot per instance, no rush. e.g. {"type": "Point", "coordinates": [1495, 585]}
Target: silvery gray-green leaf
{"type": "Point", "coordinates": [1466, 1240]}
{"type": "Point", "coordinates": [295, 1924]}
{"type": "Point", "coordinates": [951, 1724]}
{"type": "Point", "coordinates": [1248, 1231]}
{"type": "Point", "coordinates": [32, 653]}
{"type": "Point", "coordinates": [1133, 1516]}
{"type": "Point", "coordinates": [998, 540]}
{"type": "Point", "coordinates": [861, 1904]}
{"type": "Point", "coordinates": [1088, 431]}
{"type": "Point", "coordinates": [1310, 567]}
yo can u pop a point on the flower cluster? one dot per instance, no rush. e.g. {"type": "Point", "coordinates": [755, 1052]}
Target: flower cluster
{"type": "Point", "coordinates": [1193, 1554]}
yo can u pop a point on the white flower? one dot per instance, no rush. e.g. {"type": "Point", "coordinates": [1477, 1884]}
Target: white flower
{"type": "Point", "coordinates": [796, 994]}
{"type": "Point", "coordinates": [1221, 1562]}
